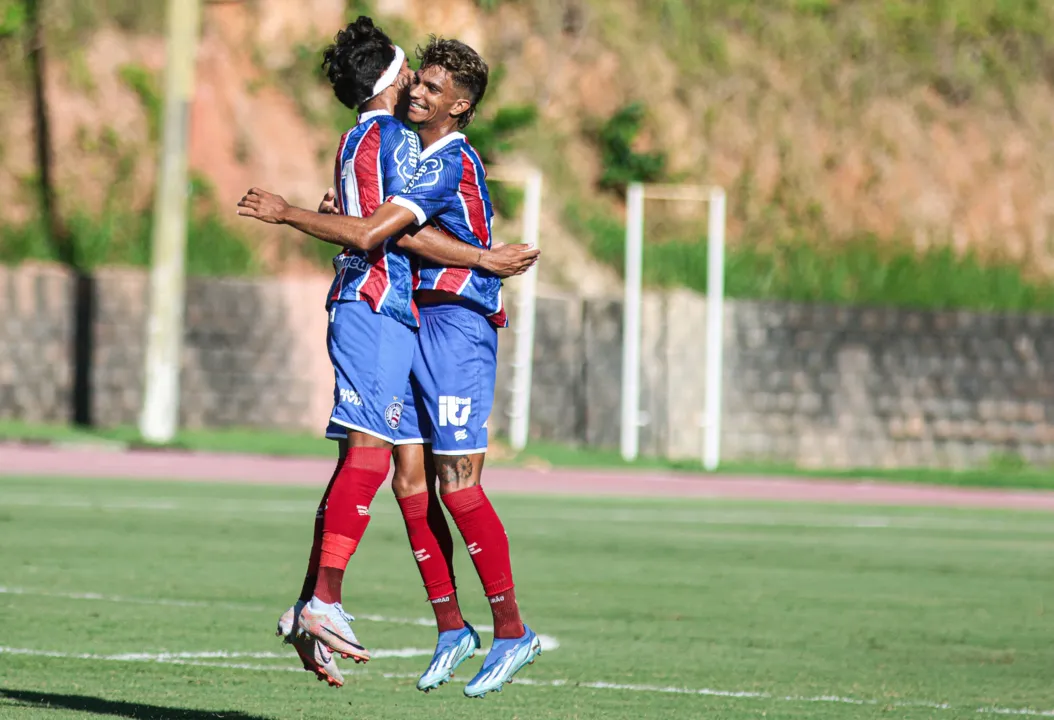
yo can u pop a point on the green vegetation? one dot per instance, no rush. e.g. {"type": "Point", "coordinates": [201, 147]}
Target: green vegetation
{"type": "Point", "coordinates": [490, 135]}
{"type": "Point", "coordinates": [622, 164]}
{"type": "Point", "coordinates": [846, 54]}
{"type": "Point", "coordinates": [302, 79]}
{"type": "Point", "coordinates": [493, 134]}
{"type": "Point", "coordinates": [224, 440]}
{"type": "Point", "coordinates": [958, 47]}
{"type": "Point", "coordinates": [861, 271]}
{"type": "Point", "coordinates": [77, 18]}
{"type": "Point", "coordinates": [120, 237]}
{"type": "Point", "coordinates": [840, 56]}
{"type": "Point", "coordinates": [12, 17]}
{"type": "Point", "coordinates": [799, 604]}
{"type": "Point", "coordinates": [147, 86]}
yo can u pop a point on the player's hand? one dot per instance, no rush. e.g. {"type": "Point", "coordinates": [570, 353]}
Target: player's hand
{"type": "Point", "coordinates": [264, 206]}
{"type": "Point", "coordinates": [328, 206]}
{"type": "Point", "coordinates": [509, 260]}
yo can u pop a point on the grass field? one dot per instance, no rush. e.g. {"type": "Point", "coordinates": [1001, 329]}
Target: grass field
{"type": "Point", "coordinates": [799, 611]}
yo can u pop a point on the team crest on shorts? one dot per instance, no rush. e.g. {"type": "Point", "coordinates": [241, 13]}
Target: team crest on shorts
{"type": "Point", "coordinates": [393, 414]}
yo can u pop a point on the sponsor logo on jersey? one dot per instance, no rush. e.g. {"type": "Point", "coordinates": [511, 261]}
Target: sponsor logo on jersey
{"type": "Point", "coordinates": [454, 410]}
{"type": "Point", "coordinates": [461, 435]}
{"type": "Point", "coordinates": [407, 155]}
{"type": "Point", "coordinates": [427, 175]}
{"type": "Point", "coordinates": [350, 396]}
{"type": "Point", "coordinates": [351, 262]}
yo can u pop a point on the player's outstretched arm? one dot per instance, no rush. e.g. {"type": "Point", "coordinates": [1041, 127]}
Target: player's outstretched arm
{"type": "Point", "coordinates": [349, 232]}
{"type": "Point", "coordinates": [438, 247]}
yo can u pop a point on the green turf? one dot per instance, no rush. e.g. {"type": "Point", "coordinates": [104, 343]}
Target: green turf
{"type": "Point", "coordinates": [889, 605]}
{"type": "Point", "coordinates": [1004, 472]}
{"type": "Point", "coordinates": [1001, 472]}
{"type": "Point", "coordinates": [227, 440]}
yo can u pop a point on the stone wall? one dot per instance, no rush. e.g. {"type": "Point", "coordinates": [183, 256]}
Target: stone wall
{"type": "Point", "coordinates": [810, 384]}
{"type": "Point", "coordinates": [36, 345]}
{"type": "Point", "coordinates": [254, 352]}
{"type": "Point", "coordinates": [813, 385]}
{"type": "Point", "coordinates": [837, 386]}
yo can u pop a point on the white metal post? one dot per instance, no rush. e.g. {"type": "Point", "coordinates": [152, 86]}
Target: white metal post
{"type": "Point", "coordinates": [523, 362]}
{"type": "Point", "coordinates": [160, 413]}
{"type": "Point", "coordinates": [715, 302]}
{"type": "Point", "coordinates": [631, 333]}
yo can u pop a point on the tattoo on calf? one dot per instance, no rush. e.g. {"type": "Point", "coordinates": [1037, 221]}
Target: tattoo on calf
{"type": "Point", "coordinates": [455, 470]}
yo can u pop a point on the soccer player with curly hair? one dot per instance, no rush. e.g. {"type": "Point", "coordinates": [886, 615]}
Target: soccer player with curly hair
{"type": "Point", "coordinates": [453, 374]}
{"type": "Point", "coordinates": [373, 325]}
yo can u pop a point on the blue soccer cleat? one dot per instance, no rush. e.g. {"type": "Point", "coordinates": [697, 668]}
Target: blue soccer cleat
{"type": "Point", "coordinates": [505, 659]}
{"type": "Point", "coordinates": [454, 647]}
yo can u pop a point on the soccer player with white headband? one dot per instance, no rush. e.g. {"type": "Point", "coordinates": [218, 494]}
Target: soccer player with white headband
{"type": "Point", "coordinates": [373, 325]}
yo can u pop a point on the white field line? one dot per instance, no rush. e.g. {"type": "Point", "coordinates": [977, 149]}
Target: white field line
{"type": "Point", "coordinates": [549, 643]}
{"type": "Point", "coordinates": [190, 659]}
{"type": "Point", "coordinates": [638, 516]}
{"type": "Point", "coordinates": [170, 657]}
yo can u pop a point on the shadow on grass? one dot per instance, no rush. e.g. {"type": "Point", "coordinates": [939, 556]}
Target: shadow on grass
{"type": "Point", "coordinates": [116, 708]}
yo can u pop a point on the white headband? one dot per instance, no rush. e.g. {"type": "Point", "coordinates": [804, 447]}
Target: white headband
{"type": "Point", "coordinates": [390, 74]}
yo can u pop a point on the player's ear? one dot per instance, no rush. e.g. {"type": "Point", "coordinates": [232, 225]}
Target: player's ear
{"type": "Point", "coordinates": [460, 108]}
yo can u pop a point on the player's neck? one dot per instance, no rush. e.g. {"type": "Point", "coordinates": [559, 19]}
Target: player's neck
{"type": "Point", "coordinates": [381, 103]}
{"type": "Point", "coordinates": [431, 134]}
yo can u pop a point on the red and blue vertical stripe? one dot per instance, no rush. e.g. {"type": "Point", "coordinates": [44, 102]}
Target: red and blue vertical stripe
{"type": "Point", "coordinates": [468, 218]}
{"type": "Point", "coordinates": [363, 178]}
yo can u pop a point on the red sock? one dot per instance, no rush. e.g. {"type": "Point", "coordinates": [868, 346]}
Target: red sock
{"type": "Point", "coordinates": [489, 547]}
{"type": "Point", "coordinates": [433, 547]}
{"type": "Point", "coordinates": [346, 515]}
{"type": "Point", "coordinates": [311, 576]}
{"type": "Point", "coordinates": [506, 613]}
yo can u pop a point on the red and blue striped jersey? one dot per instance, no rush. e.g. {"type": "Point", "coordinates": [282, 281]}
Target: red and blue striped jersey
{"type": "Point", "coordinates": [449, 190]}
{"type": "Point", "coordinates": [376, 159]}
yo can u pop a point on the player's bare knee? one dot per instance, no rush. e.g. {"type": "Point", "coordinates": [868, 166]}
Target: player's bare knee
{"type": "Point", "coordinates": [405, 484]}
{"type": "Point", "coordinates": [411, 471]}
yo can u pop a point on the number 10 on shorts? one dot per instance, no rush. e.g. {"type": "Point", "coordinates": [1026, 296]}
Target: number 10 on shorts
{"type": "Point", "coordinates": [454, 410]}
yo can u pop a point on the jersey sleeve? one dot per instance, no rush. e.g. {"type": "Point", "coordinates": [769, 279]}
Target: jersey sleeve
{"type": "Point", "coordinates": [433, 189]}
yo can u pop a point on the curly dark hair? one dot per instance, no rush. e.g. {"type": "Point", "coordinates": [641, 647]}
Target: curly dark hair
{"type": "Point", "coordinates": [359, 55]}
{"type": "Point", "coordinates": [465, 66]}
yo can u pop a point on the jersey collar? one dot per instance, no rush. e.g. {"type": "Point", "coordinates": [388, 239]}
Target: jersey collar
{"type": "Point", "coordinates": [441, 143]}
{"type": "Point", "coordinates": [372, 114]}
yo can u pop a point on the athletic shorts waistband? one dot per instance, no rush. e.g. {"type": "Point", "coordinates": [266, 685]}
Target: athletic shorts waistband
{"type": "Point", "coordinates": [452, 306]}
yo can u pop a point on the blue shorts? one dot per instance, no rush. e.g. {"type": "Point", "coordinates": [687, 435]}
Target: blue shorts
{"type": "Point", "coordinates": [371, 355]}
{"type": "Point", "coordinates": [451, 389]}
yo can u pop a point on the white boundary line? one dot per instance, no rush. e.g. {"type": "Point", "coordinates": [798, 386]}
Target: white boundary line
{"type": "Point", "coordinates": [175, 657]}
{"type": "Point", "coordinates": [190, 659]}
{"type": "Point", "coordinates": [549, 643]}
